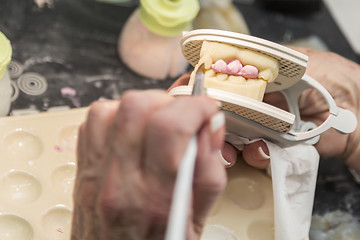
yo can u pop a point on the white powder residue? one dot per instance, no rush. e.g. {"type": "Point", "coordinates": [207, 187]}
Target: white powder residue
{"type": "Point", "coordinates": [336, 225]}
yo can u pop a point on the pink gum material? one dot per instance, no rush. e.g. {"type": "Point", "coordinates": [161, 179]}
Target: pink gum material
{"type": "Point", "coordinates": [235, 67]}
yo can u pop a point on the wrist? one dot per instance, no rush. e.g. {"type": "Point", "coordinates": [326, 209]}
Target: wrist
{"type": "Point", "coordinates": [352, 152]}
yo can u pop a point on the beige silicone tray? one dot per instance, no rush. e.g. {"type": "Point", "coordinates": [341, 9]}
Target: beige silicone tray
{"type": "Point", "coordinates": [245, 209]}
{"type": "Point", "coordinates": [37, 171]}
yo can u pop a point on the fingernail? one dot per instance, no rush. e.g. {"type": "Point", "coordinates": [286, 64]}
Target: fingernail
{"type": "Point", "coordinates": [219, 104]}
{"type": "Point", "coordinates": [217, 121]}
{"type": "Point", "coordinates": [262, 153]}
{"type": "Point", "coordinates": [226, 163]}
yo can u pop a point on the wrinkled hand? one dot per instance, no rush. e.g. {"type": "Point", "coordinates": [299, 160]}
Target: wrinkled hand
{"type": "Point", "coordinates": [341, 78]}
{"type": "Point", "coordinates": [128, 157]}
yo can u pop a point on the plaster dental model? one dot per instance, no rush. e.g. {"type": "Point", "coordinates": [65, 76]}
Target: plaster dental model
{"type": "Point", "coordinates": [237, 70]}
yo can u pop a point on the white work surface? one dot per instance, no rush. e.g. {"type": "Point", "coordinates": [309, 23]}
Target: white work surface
{"type": "Point", "coordinates": [346, 15]}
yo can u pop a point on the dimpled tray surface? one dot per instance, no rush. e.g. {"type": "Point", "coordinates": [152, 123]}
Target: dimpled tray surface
{"type": "Point", "coordinates": [245, 209]}
{"type": "Point", "coordinates": [37, 173]}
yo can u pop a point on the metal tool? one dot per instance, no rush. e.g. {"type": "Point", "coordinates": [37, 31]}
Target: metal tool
{"type": "Point", "coordinates": [252, 119]}
{"type": "Point", "coordinates": [198, 87]}
{"type": "Point", "coordinates": [177, 222]}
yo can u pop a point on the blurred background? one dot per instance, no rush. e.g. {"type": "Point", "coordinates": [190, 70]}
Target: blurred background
{"type": "Point", "coordinates": [67, 54]}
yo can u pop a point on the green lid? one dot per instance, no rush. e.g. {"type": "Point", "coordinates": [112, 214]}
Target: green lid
{"type": "Point", "coordinates": [5, 53]}
{"type": "Point", "coordinates": [168, 17]}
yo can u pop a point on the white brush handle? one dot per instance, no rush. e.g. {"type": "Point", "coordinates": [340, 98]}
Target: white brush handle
{"type": "Point", "coordinates": [176, 228]}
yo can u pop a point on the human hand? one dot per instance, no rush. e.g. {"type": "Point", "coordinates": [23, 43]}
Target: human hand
{"type": "Point", "coordinates": [341, 78]}
{"type": "Point", "coordinates": [128, 157]}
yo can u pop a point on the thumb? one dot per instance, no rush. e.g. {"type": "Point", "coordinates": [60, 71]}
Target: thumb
{"type": "Point", "coordinates": [256, 154]}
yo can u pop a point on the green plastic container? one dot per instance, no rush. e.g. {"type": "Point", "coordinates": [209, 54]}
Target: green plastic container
{"type": "Point", "coordinates": [168, 17]}
{"type": "Point", "coordinates": [5, 86]}
{"type": "Point", "coordinates": [5, 53]}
